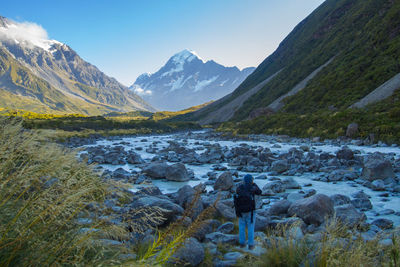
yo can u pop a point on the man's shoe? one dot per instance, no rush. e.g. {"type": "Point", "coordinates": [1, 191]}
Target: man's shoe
{"type": "Point", "coordinates": [242, 245]}
{"type": "Point", "coordinates": [251, 247]}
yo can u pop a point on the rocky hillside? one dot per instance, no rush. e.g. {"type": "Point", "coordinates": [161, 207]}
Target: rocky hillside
{"type": "Point", "coordinates": [45, 75]}
{"type": "Point", "coordinates": [186, 80]}
{"type": "Point", "coordinates": [344, 55]}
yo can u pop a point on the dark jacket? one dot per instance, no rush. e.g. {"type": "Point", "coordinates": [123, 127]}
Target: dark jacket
{"type": "Point", "coordinates": [245, 206]}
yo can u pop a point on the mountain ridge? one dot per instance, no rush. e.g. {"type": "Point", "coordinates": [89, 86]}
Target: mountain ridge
{"type": "Point", "coordinates": [187, 80]}
{"type": "Point", "coordinates": [64, 70]}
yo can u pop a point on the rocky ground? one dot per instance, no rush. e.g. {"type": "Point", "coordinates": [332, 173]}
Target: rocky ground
{"type": "Point", "coordinates": [303, 182]}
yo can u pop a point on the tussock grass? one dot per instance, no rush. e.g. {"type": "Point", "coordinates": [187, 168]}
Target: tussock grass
{"type": "Point", "coordinates": [43, 192]}
{"type": "Point", "coordinates": [339, 246]}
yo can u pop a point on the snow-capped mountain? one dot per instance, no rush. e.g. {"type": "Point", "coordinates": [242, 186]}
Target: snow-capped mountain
{"type": "Point", "coordinates": [45, 75]}
{"type": "Point", "coordinates": [187, 80]}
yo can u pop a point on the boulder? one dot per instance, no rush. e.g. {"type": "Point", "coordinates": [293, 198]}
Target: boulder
{"type": "Point", "coordinates": [224, 182]}
{"type": "Point", "coordinates": [352, 130]}
{"type": "Point", "coordinates": [226, 228]}
{"type": "Point", "coordinates": [290, 183]}
{"type": "Point", "coordinates": [313, 210]}
{"type": "Point", "coordinates": [377, 167]}
{"type": "Point", "coordinates": [274, 187]}
{"type": "Point", "coordinates": [206, 227]}
{"type": "Point", "coordinates": [348, 215]}
{"type": "Point", "coordinates": [225, 211]}
{"type": "Point", "coordinates": [345, 154]}
{"type": "Point", "coordinates": [134, 158]}
{"type": "Point", "coordinates": [279, 208]}
{"type": "Point", "coordinates": [363, 204]}
{"type": "Point", "coordinates": [383, 223]}
{"type": "Point", "coordinates": [191, 252]}
{"type": "Point", "coordinates": [156, 170]}
{"type": "Point", "coordinates": [280, 166]}
{"type": "Point", "coordinates": [218, 237]}
{"type": "Point", "coordinates": [339, 199]}
{"type": "Point", "coordinates": [168, 209]}
{"type": "Point", "coordinates": [177, 172]}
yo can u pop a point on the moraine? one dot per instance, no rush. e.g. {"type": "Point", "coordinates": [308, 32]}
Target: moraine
{"type": "Point", "coordinates": [313, 165]}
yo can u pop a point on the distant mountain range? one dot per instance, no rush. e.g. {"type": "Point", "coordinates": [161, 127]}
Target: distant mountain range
{"type": "Point", "coordinates": [187, 80]}
{"type": "Point", "coordinates": [43, 75]}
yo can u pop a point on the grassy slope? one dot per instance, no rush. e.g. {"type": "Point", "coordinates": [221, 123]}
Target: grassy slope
{"type": "Point", "coordinates": [24, 90]}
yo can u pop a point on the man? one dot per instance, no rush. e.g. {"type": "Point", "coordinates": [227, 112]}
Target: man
{"type": "Point", "coordinates": [245, 206]}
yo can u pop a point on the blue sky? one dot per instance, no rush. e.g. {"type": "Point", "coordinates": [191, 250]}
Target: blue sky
{"type": "Point", "coordinates": [125, 38]}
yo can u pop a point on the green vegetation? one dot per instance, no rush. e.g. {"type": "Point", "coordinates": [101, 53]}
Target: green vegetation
{"type": "Point", "coordinates": [381, 119]}
{"type": "Point", "coordinates": [165, 115]}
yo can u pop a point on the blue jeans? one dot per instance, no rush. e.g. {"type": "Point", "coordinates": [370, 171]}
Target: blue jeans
{"type": "Point", "coordinates": [245, 221]}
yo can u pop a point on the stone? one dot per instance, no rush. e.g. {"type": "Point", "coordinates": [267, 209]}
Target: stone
{"type": "Point", "coordinates": [290, 183]}
{"type": "Point", "coordinates": [275, 187]}
{"type": "Point", "coordinates": [218, 237]}
{"type": "Point", "coordinates": [134, 158]}
{"type": "Point", "coordinates": [312, 210]}
{"type": "Point", "coordinates": [224, 182]}
{"type": "Point", "coordinates": [177, 172]}
{"type": "Point", "coordinates": [383, 223]}
{"type": "Point", "coordinates": [206, 227]}
{"type": "Point", "coordinates": [363, 204]}
{"type": "Point", "coordinates": [378, 185]}
{"type": "Point", "coordinates": [191, 252]}
{"type": "Point", "coordinates": [261, 223]}
{"type": "Point", "coordinates": [185, 194]}
{"type": "Point", "coordinates": [348, 215]}
{"type": "Point", "coordinates": [280, 166]}
{"type": "Point", "coordinates": [150, 191]}
{"type": "Point", "coordinates": [339, 199]}
{"type": "Point", "coordinates": [345, 154]}
{"type": "Point", "coordinates": [377, 167]}
{"type": "Point", "coordinates": [352, 130]}
{"type": "Point", "coordinates": [226, 228]}
{"type": "Point", "coordinates": [292, 197]}
{"type": "Point", "coordinates": [156, 170]}
{"type": "Point", "coordinates": [168, 209]}
{"type": "Point", "coordinates": [233, 256]}
{"type": "Point", "coordinates": [225, 211]}
{"type": "Point", "coordinates": [279, 208]}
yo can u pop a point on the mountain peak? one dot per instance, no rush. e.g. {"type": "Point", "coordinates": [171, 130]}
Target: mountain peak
{"type": "Point", "coordinates": [185, 55]}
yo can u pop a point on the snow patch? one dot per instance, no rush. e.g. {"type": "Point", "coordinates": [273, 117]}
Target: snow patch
{"type": "Point", "coordinates": [28, 34]}
{"type": "Point", "coordinates": [200, 85]}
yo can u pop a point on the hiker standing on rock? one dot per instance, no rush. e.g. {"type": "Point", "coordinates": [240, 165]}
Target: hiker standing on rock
{"type": "Point", "coordinates": [245, 206]}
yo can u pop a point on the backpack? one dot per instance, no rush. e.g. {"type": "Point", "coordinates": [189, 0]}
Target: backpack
{"type": "Point", "coordinates": [244, 200]}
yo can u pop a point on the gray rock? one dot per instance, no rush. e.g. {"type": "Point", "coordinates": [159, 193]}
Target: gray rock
{"type": "Point", "coordinates": [218, 237]}
{"type": "Point", "coordinates": [177, 172]}
{"type": "Point", "coordinates": [280, 207]}
{"type": "Point", "coordinates": [383, 223]}
{"type": "Point", "coordinates": [280, 166]}
{"type": "Point", "coordinates": [261, 223]}
{"type": "Point", "coordinates": [274, 187]}
{"type": "Point", "coordinates": [363, 204]}
{"type": "Point", "coordinates": [191, 252]}
{"type": "Point", "coordinates": [134, 158]}
{"type": "Point", "coordinates": [233, 256]}
{"type": "Point", "coordinates": [156, 170]}
{"type": "Point", "coordinates": [292, 197]}
{"type": "Point", "coordinates": [225, 211]}
{"type": "Point", "coordinates": [206, 227]}
{"type": "Point", "coordinates": [339, 199]}
{"type": "Point", "coordinates": [348, 215]}
{"type": "Point", "coordinates": [312, 210]}
{"type": "Point", "coordinates": [377, 167]}
{"type": "Point", "coordinates": [226, 228]}
{"type": "Point", "coordinates": [224, 182]}
{"type": "Point", "coordinates": [352, 130]}
{"type": "Point", "coordinates": [378, 185]}
{"type": "Point", "coordinates": [345, 154]}
{"type": "Point", "coordinates": [150, 191]}
{"type": "Point", "coordinates": [290, 183]}
{"type": "Point", "coordinates": [168, 209]}
{"type": "Point", "coordinates": [360, 194]}
{"type": "Point", "coordinates": [185, 194]}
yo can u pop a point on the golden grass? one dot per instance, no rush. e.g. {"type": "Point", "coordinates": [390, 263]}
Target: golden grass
{"type": "Point", "coordinates": [43, 191]}
{"type": "Point", "coordinates": [340, 246]}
